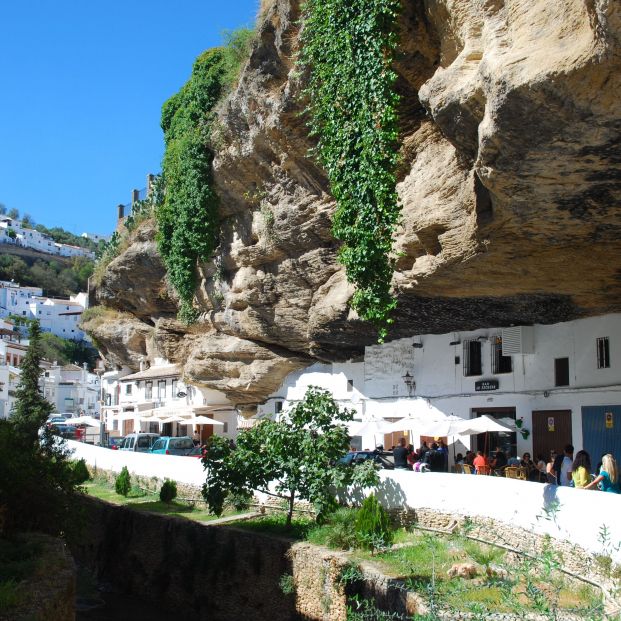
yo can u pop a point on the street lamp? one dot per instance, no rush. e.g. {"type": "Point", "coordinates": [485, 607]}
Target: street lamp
{"type": "Point", "coordinates": [409, 382]}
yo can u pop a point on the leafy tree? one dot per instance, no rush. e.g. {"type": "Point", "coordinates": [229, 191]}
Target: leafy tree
{"type": "Point", "coordinates": [123, 482]}
{"type": "Point", "coordinates": [168, 492]}
{"type": "Point", "coordinates": [293, 458]}
{"type": "Point", "coordinates": [37, 482]}
{"type": "Point", "coordinates": [27, 221]}
{"type": "Point", "coordinates": [13, 213]}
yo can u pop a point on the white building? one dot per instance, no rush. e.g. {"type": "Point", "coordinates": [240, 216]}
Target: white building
{"type": "Point", "coordinates": [72, 389]}
{"type": "Point", "coordinates": [58, 316]}
{"type": "Point", "coordinates": [96, 237]}
{"type": "Point", "coordinates": [561, 383]}
{"type": "Point", "coordinates": [13, 231]}
{"type": "Point", "coordinates": [156, 400]}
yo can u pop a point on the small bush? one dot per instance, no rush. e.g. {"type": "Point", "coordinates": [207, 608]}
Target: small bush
{"type": "Point", "coordinates": [287, 585]}
{"type": "Point", "coordinates": [241, 501]}
{"type": "Point", "coordinates": [373, 528]}
{"type": "Point", "coordinates": [339, 531]}
{"type": "Point", "coordinates": [169, 491]}
{"type": "Point", "coordinates": [80, 472]}
{"type": "Point", "coordinates": [123, 482]}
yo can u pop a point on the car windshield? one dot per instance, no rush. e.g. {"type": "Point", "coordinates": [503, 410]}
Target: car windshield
{"type": "Point", "coordinates": [158, 445]}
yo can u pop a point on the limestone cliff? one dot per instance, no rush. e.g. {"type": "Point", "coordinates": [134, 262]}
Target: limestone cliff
{"type": "Point", "coordinates": [510, 185]}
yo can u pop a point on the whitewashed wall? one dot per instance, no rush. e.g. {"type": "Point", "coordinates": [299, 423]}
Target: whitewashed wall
{"type": "Point", "coordinates": [187, 470]}
{"type": "Point", "coordinates": [379, 387]}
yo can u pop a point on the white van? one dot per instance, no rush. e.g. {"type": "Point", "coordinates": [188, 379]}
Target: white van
{"type": "Point", "coordinates": [139, 442]}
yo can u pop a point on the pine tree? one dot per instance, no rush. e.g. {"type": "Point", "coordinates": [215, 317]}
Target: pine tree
{"type": "Point", "coordinates": [31, 407]}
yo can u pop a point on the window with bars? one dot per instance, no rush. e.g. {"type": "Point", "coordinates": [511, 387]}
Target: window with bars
{"type": "Point", "coordinates": [500, 363]}
{"type": "Point", "coordinates": [472, 358]}
{"type": "Point", "coordinates": [148, 390]}
{"type": "Point", "coordinates": [161, 389]}
{"type": "Point", "coordinates": [603, 353]}
{"type": "Point", "coordinates": [277, 407]}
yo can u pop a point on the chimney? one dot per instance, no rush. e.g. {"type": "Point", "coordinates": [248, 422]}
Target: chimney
{"type": "Point", "coordinates": [121, 211]}
{"type": "Point", "coordinates": [150, 180]}
{"type": "Point", "coordinates": [135, 196]}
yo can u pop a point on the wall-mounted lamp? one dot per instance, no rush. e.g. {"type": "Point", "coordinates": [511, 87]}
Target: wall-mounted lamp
{"type": "Point", "coordinates": [417, 345]}
{"type": "Point", "coordinates": [409, 382]}
{"type": "Point", "coordinates": [458, 342]}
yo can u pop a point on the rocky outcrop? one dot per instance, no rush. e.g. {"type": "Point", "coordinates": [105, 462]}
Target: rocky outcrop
{"type": "Point", "coordinates": [510, 186]}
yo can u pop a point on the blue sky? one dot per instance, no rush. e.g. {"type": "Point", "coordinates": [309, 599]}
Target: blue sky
{"type": "Point", "coordinates": [81, 88]}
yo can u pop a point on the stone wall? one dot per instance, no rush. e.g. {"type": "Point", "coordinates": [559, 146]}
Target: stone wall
{"type": "Point", "coordinates": [50, 591]}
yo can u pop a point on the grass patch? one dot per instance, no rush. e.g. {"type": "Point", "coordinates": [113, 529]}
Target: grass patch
{"type": "Point", "coordinates": [149, 502]}
{"type": "Point", "coordinates": [275, 525]}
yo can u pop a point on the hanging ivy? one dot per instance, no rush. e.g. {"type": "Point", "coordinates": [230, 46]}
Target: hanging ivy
{"type": "Point", "coordinates": [348, 48]}
{"type": "Point", "coordinates": [187, 218]}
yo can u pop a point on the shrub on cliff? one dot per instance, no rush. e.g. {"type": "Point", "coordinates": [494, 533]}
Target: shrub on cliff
{"type": "Point", "coordinates": [373, 528]}
{"type": "Point", "coordinates": [168, 491]}
{"type": "Point", "coordinates": [123, 482]}
{"type": "Point", "coordinates": [80, 472]}
{"type": "Point", "coordinates": [294, 458]}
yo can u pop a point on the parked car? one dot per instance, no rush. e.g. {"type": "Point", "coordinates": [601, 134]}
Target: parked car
{"type": "Point", "coordinates": [356, 457]}
{"type": "Point", "coordinates": [139, 442]}
{"type": "Point", "coordinates": [56, 419]}
{"type": "Point", "coordinates": [173, 446]}
{"type": "Point", "coordinates": [115, 443]}
{"type": "Point", "coordinates": [198, 452]}
{"type": "Point", "coordinates": [64, 431]}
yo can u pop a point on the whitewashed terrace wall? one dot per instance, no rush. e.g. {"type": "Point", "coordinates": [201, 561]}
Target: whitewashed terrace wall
{"type": "Point", "coordinates": [188, 470]}
{"type": "Point", "coordinates": [521, 504]}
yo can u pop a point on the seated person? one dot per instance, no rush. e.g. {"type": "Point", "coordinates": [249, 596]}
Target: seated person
{"type": "Point", "coordinates": [499, 461]}
{"type": "Point", "coordinates": [479, 460]}
{"type": "Point", "coordinates": [434, 459]}
{"type": "Point", "coordinates": [514, 461]}
{"type": "Point", "coordinates": [459, 459]}
{"type": "Point", "coordinates": [469, 458]}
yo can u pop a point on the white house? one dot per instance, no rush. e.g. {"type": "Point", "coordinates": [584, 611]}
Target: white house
{"type": "Point", "coordinates": [58, 316]}
{"type": "Point", "coordinates": [72, 389]}
{"type": "Point", "coordinates": [561, 383]}
{"type": "Point", "coordinates": [156, 400]}
{"type": "Point", "coordinates": [13, 231]}
{"type": "Point", "coordinates": [96, 237]}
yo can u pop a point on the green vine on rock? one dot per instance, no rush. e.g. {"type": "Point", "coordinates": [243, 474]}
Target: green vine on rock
{"type": "Point", "coordinates": [187, 218]}
{"type": "Point", "coordinates": [348, 48]}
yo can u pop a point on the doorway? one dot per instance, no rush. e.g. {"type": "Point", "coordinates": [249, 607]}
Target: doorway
{"type": "Point", "coordinates": [551, 432]}
{"type": "Point", "coordinates": [490, 441]}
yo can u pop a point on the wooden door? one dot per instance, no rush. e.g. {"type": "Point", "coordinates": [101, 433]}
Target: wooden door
{"type": "Point", "coordinates": [551, 431]}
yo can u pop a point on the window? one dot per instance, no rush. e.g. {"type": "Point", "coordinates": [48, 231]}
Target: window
{"type": "Point", "coordinates": [500, 363]}
{"type": "Point", "coordinates": [350, 385]}
{"type": "Point", "coordinates": [148, 390]}
{"type": "Point", "coordinates": [472, 358]}
{"type": "Point", "coordinates": [561, 372]}
{"type": "Point", "coordinates": [173, 389]}
{"type": "Point", "coordinates": [278, 407]}
{"type": "Point", "coordinates": [225, 429]}
{"type": "Point", "coordinates": [603, 353]}
{"type": "Point", "coordinates": [128, 389]}
{"type": "Point", "coordinates": [161, 389]}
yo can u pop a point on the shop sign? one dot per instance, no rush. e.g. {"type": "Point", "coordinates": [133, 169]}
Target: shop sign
{"type": "Point", "coordinates": [550, 423]}
{"type": "Point", "coordinates": [485, 385]}
{"type": "Point", "coordinates": [609, 420]}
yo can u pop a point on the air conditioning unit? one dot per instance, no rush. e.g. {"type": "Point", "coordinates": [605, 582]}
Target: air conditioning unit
{"type": "Point", "coordinates": [518, 340]}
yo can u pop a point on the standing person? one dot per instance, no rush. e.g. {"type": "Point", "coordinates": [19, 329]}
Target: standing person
{"type": "Point", "coordinates": [551, 470]}
{"type": "Point", "coordinates": [400, 455]}
{"type": "Point", "coordinates": [608, 478]}
{"type": "Point", "coordinates": [442, 448]}
{"type": "Point", "coordinates": [422, 450]}
{"type": "Point", "coordinates": [581, 469]}
{"type": "Point", "coordinates": [196, 438]}
{"type": "Point", "coordinates": [564, 466]}
{"type": "Point", "coordinates": [434, 459]}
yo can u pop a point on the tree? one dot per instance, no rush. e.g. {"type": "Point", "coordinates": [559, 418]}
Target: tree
{"type": "Point", "coordinates": [293, 458]}
{"type": "Point", "coordinates": [37, 482]}
{"type": "Point", "coordinates": [13, 214]}
{"type": "Point", "coordinates": [27, 221]}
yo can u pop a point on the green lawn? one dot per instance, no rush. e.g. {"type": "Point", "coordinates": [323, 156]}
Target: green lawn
{"type": "Point", "coordinates": [140, 501]}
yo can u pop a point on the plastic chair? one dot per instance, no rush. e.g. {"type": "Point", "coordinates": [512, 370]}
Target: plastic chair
{"type": "Point", "coordinates": [457, 469]}
{"type": "Point", "coordinates": [467, 469]}
{"type": "Point", "coordinates": [511, 472]}
{"type": "Point", "coordinates": [522, 474]}
{"type": "Point", "coordinates": [486, 470]}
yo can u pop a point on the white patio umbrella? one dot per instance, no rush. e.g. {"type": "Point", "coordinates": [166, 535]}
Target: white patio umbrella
{"type": "Point", "coordinates": [482, 424]}
{"type": "Point", "coordinates": [201, 420]}
{"type": "Point", "coordinates": [89, 421]}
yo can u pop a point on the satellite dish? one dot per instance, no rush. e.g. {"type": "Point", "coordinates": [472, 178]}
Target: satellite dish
{"type": "Point", "coordinates": [181, 394]}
